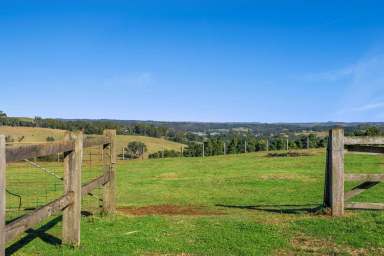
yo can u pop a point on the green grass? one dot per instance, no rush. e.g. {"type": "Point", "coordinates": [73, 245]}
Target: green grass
{"type": "Point", "coordinates": [263, 203]}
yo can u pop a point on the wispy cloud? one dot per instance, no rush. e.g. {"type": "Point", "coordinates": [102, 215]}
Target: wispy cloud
{"type": "Point", "coordinates": [369, 106]}
{"type": "Point", "coordinates": [364, 96]}
{"type": "Point", "coordinates": [138, 80]}
{"type": "Point", "coordinates": [333, 75]}
{"type": "Point", "coordinates": [363, 88]}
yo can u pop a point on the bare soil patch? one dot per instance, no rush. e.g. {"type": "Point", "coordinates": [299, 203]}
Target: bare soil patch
{"type": "Point", "coordinates": [289, 154]}
{"type": "Point", "coordinates": [168, 209]}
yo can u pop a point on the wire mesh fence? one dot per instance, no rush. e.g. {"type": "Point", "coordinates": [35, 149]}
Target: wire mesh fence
{"type": "Point", "coordinates": [32, 183]}
{"type": "Point", "coordinates": [94, 165]}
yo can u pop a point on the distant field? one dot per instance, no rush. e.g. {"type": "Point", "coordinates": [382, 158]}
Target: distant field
{"type": "Point", "coordinates": [32, 134]}
{"type": "Point", "coordinates": [153, 144]}
{"type": "Point", "coordinates": [247, 204]}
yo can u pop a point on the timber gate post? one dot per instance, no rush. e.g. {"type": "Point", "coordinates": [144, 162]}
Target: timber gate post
{"type": "Point", "coordinates": [334, 176]}
{"type": "Point", "coordinates": [109, 204]}
{"type": "Point", "coordinates": [72, 184]}
{"type": "Point", "coordinates": [2, 195]}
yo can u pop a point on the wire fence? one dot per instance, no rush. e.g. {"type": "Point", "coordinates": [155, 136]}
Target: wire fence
{"type": "Point", "coordinates": [32, 183]}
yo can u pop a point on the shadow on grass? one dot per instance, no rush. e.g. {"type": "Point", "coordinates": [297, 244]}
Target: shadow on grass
{"type": "Point", "coordinates": [36, 233]}
{"type": "Point", "coordinates": [40, 233]}
{"type": "Point", "coordinates": [282, 208]}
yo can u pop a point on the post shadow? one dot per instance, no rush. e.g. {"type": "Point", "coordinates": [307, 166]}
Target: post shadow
{"type": "Point", "coordinates": [280, 208]}
{"type": "Point", "coordinates": [36, 233]}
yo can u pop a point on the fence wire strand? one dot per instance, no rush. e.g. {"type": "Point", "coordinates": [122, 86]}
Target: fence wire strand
{"type": "Point", "coordinates": [33, 183]}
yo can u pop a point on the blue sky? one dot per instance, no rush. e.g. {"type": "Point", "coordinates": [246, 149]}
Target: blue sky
{"type": "Point", "coordinates": [260, 61]}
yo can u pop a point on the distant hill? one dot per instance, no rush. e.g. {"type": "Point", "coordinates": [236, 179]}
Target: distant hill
{"type": "Point", "coordinates": [169, 129]}
{"type": "Point", "coordinates": [255, 127]}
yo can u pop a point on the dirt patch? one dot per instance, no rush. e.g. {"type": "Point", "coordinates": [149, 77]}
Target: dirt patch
{"type": "Point", "coordinates": [168, 209]}
{"type": "Point", "coordinates": [289, 154]}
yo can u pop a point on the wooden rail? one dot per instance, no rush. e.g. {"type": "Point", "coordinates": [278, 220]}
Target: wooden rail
{"type": "Point", "coordinates": [18, 153]}
{"type": "Point", "coordinates": [334, 196]}
{"type": "Point", "coordinates": [99, 181]}
{"type": "Point", "coordinates": [96, 141]}
{"type": "Point", "coordinates": [21, 152]}
{"type": "Point", "coordinates": [365, 148]}
{"type": "Point", "coordinates": [18, 226]}
{"type": "Point", "coordinates": [363, 140]}
{"type": "Point", "coordinates": [70, 203]}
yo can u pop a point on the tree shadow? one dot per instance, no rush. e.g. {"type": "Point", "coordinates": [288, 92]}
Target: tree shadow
{"type": "Point", "coordinates": [280, 208]}
{"type": "Point", "coordinates": [36, 233]}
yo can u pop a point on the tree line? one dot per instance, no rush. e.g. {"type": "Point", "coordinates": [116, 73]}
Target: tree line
{"type": "Point", "coordinates": [241, 143]}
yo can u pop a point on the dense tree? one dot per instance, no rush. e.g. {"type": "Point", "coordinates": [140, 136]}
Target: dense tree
{"type": "Point", "coordinates": [50, 139]}
{"type": "Point", "coordinates": [135, 149]}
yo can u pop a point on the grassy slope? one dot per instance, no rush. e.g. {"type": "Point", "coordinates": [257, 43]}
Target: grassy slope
{"type": "Point", "coordinates": [265, 201]}
{"type": "Point", "coordinates": [153, 144]}
{"type": "Point", "coordinates": [40, 134]}
{"type": "Point", "coordinates": [32, 134]}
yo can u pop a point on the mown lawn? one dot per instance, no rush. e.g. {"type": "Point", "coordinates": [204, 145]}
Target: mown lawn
{"type": "Point", "coordinates": [245, 204]}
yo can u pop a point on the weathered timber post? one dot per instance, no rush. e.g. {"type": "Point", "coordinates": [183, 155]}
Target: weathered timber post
{"type": "Point", "coordinates": [110, 163]}
{"type": "Point", "coordinates": [2, 195]}
{"type": "Point", "coordinates": [72, 183]}
{"type": "Point", "coordinates": [334, 176]}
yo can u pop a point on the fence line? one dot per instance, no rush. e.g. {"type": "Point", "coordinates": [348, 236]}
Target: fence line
{"type": "Point", "coordinates": [70, 202]}
{"type": "Point", "coordinates": [334, 196]}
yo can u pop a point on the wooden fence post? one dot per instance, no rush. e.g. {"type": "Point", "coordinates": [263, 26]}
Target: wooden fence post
{"type": "Point", "coordinates": [72, 183]}
{"type": "Point", "coordinates": [334, 177]}
{"type": "Point", "coordinates": [2, 194]}
{"type": "Point", "coordinates": [109, 188]}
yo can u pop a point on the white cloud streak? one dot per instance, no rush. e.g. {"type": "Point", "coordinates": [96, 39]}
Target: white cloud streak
{"type": "Point", "coordinates": [363, 97]}
{"type": "Point", "coordinates": [130, 80]}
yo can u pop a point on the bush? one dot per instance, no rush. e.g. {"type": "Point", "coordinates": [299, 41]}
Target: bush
{"type": "Point", "coordinates": [50, 139]}
{"type": "Point", "coordinates": [164, 154]}
{"type": "Point", "coordinates": [135, 149]}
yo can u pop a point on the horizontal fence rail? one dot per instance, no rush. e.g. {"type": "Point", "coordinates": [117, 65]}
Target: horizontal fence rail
{"type": "Point", "coordinates": [16, 227]}
{"type": "Point", "coordinates": [21, 152]}
{"type": "Point", "coordinates": [99, 181]}
{"type": "Point", "coordinates": [70, 202]}
{"type": "Point", "coordinates": [18, 153]}
{"type": "Point", "coordinates": [334, 196]}
{"type": "Point", "coordinates": [365, 149]}
{"type": "Point", "coordinates": [363, 140]}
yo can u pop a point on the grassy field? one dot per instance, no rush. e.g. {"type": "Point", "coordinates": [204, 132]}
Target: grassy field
{"type": "Point", "coordinates": [31, 134]}
{"type": "Point", "coordinates": [247, 204]}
